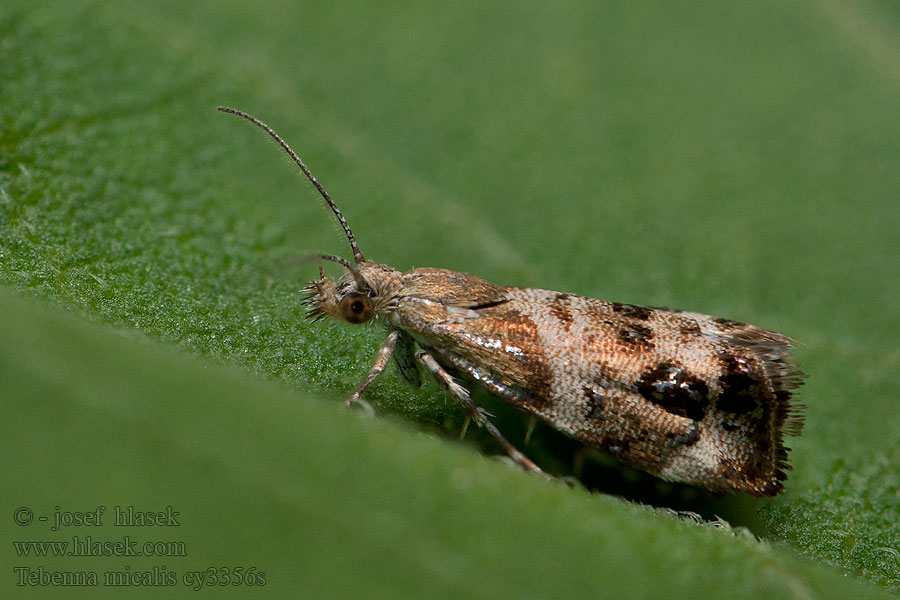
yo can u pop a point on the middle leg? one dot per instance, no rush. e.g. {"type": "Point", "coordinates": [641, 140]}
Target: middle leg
{"type": "Point", "coordinates": [474, 412]}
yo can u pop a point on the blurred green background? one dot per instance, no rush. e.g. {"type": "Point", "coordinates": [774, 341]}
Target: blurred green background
{"type": "Point", "coordinates": [738, 160]}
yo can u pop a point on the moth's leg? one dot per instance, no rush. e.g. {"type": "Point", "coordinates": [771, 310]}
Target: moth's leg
{"type": "Point", "coordinates": [532, 422]}
{"type": "Point", "coordinates": [464, 428]}
{"type": "Point", "coordinates": [384, 355]}
{"type": "Point", "coordinates": [476, 413]}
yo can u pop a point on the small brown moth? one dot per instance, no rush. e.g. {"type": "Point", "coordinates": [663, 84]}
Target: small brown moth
{"type": "Point", "coordinates": [686, 396]}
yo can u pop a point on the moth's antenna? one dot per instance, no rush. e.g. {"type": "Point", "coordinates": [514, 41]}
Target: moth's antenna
{"type": "Point", "coordinates": [360, 282]}
{"type": "Point", "coordinates": [357, 254]}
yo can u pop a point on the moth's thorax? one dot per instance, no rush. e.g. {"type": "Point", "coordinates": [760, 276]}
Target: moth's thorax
{"type": "Point", "coordinates": [450, 288]}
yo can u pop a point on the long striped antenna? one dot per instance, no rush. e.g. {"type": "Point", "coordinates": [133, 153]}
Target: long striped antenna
{"type": "Point", "coordinates": [357, 253]}
{"type": "Point", "coordinates": [360, 282]}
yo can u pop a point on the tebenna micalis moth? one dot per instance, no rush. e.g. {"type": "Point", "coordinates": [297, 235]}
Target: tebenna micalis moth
{"type": "Point", "coordinates": [685, 396]}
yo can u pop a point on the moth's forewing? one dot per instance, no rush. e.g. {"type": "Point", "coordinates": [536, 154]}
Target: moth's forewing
{"type": "Point", "coordinates": [686, 396]}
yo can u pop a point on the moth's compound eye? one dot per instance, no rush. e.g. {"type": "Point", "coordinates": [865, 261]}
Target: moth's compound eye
{"type": "Point", "coordinates": [357, 308]}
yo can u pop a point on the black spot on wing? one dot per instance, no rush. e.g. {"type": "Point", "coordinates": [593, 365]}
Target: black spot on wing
{"type": "Point", "coordinates": [728, 323]}
{"type": "Point", "coordinates": [642, 313]}
{"type": "Point", "coordinates": [675, 390]}
{"type": "Point", "coordinates": [740, 387]}
{"type": "Point", "coordinates": [637, 335]}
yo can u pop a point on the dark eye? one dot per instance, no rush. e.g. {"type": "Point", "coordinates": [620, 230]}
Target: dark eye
{"type": "Point", "coordinates": [356, 308]}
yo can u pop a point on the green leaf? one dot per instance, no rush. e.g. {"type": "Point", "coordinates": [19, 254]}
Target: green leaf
{"type": "Point", "coordinates": [312, 496]}
{"type": "Point", "coordinates": [735, 160]}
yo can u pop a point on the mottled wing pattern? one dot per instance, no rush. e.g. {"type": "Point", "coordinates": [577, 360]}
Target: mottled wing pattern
{"type": "Point", "coordinates": [686, 396]}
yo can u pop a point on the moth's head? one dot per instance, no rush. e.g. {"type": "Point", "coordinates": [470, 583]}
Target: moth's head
{"type": "Point", "coordinates": [350, 298]}
{"type": "Point", "coordinates": [365, 291]}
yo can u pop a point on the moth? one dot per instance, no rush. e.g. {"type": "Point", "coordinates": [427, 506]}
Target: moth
{"type": "Point", "coordinates": [686, 396]}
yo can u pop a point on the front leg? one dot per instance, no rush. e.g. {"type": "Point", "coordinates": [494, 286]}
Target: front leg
{"type": "Point", "coordinates": [476, 413]}
{"type": "Point", "coordinates": [384, 355]}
